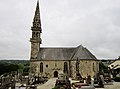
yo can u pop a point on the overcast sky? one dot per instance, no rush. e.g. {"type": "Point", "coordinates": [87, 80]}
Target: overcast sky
{"type": "Point", "coordinates": [95, 24]}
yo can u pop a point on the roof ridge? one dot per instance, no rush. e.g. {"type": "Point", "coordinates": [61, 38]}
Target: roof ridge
{"type": "Point", "coordinates": [57, 47]}
{"type": "Point", "coordinates": [75, 51]}
{"type": "Point", "coordinates": [82, 53]}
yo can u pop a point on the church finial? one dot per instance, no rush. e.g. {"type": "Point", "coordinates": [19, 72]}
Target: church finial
{"type": "Point", "coordinates": [36, 20]}
{"type": "Point", "coordinates": [37, 12]}
{"type": "Point", "coordinates": [37, 1]}
{"type": "Point", "coordinates": [37, 4]}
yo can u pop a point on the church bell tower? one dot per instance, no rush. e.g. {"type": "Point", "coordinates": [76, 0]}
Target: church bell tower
{"type": "Point", "coordinates": [36, 31]}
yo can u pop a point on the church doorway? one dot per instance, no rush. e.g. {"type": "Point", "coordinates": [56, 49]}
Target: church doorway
{"type": "Point", "coordinates": [55, 74]}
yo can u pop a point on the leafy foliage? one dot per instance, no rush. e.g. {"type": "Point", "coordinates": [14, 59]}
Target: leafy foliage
{"type": "Point", "coordinates": [7, 66]}
{"type": "Point", "coordinates": [102, 68]}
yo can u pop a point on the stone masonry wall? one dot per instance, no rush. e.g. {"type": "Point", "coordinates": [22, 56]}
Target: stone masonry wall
{"type": "Point", "coordinates": [49, 67]}
{"type": "Point", "coordinates": [86, 67]}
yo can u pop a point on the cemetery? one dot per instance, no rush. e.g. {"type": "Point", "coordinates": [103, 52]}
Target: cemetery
{"type": "Point", "coordinates": [17, 80]}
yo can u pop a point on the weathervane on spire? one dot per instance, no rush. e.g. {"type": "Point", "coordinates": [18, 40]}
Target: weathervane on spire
{"type": "Point", "coordinates": [37, 1]}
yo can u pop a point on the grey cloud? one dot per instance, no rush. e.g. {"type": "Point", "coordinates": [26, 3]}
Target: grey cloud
{"type": "Point", "coordinates": [92, 23]}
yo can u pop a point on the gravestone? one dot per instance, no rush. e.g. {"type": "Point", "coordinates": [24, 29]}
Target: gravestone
{"type": "Point", "coordinates": [101, 81]}
{"type": "Point", "coordinates": [87, 87]}
{"type": "Point", "coordinates": [92, 81]}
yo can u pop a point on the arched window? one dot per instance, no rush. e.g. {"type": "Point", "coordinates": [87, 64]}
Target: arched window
{"type": "Point", "coordinates": [33, 35]}
{"type": "Point", "coordinates": [65, 67]}
{"type": "Point", "coordinates": [41, 67]}
{"type": "Point", "coordinates": [77, 65]}
{"type": "Point", "coordinates": [37, 34]}
{"type": "Point", "coordinates": [55, 74]}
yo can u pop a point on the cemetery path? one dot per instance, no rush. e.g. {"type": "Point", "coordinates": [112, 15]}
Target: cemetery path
{"type": "Point", "coordinates": [116, 85]}
{"type": "Point", "coordinates": [48, 85]}
{"type": "Point", "coordinates": [51, 83]}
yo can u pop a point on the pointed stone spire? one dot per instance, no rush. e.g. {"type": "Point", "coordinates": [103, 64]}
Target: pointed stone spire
{"type": "Point", "coordinates": [36, 30]}
{"type": "Point", "coordinates": [36, 21]}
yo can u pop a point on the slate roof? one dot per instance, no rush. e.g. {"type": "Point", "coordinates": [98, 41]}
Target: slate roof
{"type": "Point", "coordinates": [65, 53]}
{"type": "Point", "coordinates": [83, 53]}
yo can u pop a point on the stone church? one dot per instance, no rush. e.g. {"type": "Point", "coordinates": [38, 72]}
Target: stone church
{"type": "Point", "coordinates": [50, 61]}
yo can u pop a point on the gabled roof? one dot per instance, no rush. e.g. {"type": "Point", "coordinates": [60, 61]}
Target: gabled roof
{"type": "Point", "coordinates": [65, 53]}
{"type": "Point", "coordinates": [83, 53]}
